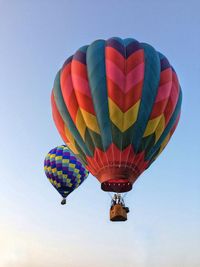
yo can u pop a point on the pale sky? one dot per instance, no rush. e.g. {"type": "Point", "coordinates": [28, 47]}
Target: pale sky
{"type": "Point", "coordinates": [163, 229]}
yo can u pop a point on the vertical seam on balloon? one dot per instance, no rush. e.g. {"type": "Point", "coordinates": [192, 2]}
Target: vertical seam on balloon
{"type": "Point", "coordinates": [105, 149]}
{"type": "Point", "coordinates": [130, 146]}
{"type": "Point", "coordinates": [112, 160]}
{"type": "Point", "coordinates": [74, 125]}
{"type": "Point", "coordinates": [162, 114]}
{"type": "Point", "coordinates": [111, 163]}
{"type": "Point", "coordinates": [79, 149]}
{"type": "Point", "coordinates": [68, 116]}
{"type": "Point", "coordinates": [95, 150]}
{"type": "Point", "coordinates": [131, 142]}
{"type": "Point", "coordinates": [169, 99]}
{"type": "Point", "coordinates": [72, 145]}
{"type": "Point", "coordinates": [125, 72]}
{"type": "Point", "coordinates": [170, 124]}
{"type": "Point", "coordinates": [169, 135]}
{"type": "Point", "coordinates": [137, 149]}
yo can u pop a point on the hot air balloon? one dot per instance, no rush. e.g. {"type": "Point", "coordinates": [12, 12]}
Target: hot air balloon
{"type": "Point", "coordinates": [64, 171]}
{"type": "Point", "coordinates": [116, 104]}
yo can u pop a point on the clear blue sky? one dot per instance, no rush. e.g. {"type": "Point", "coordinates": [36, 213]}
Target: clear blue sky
{"type": "Point", "coordinates": [35, 230]}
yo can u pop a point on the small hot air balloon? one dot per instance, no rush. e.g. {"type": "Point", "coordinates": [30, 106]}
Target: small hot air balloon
{"type": "Point", "coordinates": [64, 171]}
{"type": "Point", "coordinates": [116, 104]}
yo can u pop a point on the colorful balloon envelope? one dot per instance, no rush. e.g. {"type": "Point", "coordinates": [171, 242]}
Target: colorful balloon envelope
{"type": "Point", "coordinates": [116, 104]}
{"type": "Point", "coordinates": [64, 171]}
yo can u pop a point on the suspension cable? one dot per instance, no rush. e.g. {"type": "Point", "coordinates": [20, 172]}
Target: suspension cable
{"type": "Point", "coordinates": [110, 195]}
{"type": "Point", "coordinates": [124, 195]}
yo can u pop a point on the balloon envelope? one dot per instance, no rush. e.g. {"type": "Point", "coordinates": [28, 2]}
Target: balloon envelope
{"type": "Point", "coordinates": [64, 171]}
{"type": "Point", "coordinates": [116, 104]}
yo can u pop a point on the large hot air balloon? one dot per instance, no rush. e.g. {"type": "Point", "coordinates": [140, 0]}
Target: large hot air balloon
{"type": "Point", "coordinates": [116, 104]}
{"type": "Point", "coordinates": [64, 171]}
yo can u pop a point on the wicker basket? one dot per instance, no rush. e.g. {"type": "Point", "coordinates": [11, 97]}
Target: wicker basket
{"type": "Point", "coordinates": [118, 213]}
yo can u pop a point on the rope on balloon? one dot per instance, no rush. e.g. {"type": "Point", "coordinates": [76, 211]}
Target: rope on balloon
{"type": "Point", "coordinates": [110, 195]}
{"type": "Point", "coordinates": [124, 195]}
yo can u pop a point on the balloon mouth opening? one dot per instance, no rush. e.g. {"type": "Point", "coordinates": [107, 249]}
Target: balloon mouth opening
{"type": "Point", "coordinates": [116, 185]}
{"type": "Point", "coordinates": [117, 179]}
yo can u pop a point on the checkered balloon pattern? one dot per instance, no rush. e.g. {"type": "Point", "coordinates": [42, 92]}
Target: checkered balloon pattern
{"type": "Point", "coordinates": [63, 170]}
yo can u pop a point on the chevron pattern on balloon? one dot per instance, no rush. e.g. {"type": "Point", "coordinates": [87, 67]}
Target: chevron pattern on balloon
{"type": "Point", "coordinates": [77, 96]}
{"type": "Point", "coordinates": [166, 140]}
{"type": "Point", "coordinates": [124, 74]}
{"type": "Point", "coordinates": [163, 106]}
{"type": "Point", "coordinates": [115, 105]}
{"type": "Point", "coordinates": [65, 132]}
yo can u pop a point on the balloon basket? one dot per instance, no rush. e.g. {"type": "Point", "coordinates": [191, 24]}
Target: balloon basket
{"type": "Point", "coordinates": [118, 213]}
{"type": "Point", "coordinates": [63, 202]}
